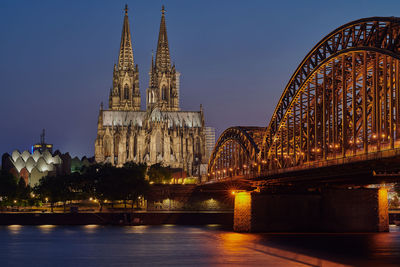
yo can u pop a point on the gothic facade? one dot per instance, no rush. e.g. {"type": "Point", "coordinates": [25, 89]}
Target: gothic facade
{"type": "Point", "coordinates": [162, 133]}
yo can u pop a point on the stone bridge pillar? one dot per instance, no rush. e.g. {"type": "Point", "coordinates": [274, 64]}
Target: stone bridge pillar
{"type": "Point", "coordinates": [330, 210]}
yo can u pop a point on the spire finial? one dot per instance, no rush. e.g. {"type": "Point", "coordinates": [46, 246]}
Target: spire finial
{"type": "Point", "coordinates": [163, 10]}
{"type": "Point", "coordinates": [126, 9]}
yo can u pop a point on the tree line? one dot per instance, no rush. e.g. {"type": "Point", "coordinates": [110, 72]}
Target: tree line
{"type": "Point", "coordinates": [102, 182]}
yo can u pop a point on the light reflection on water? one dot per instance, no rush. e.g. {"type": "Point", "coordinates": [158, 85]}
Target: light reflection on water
{"type": "Point", "coordinates": [14, 228]}
{"type": "Point", "coordinates": [46, 228]}
{"type": "Point", "coordinates": [96, 245]}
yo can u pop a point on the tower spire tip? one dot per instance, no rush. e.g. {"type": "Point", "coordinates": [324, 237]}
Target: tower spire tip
{"type": "Point", "coordinates": [126, 9]}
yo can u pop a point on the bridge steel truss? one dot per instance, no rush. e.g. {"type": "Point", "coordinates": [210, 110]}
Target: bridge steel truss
{"type": "Point", "coordinates": [236, 152]}
{"type": "Point", "coordinates": [343, 101]}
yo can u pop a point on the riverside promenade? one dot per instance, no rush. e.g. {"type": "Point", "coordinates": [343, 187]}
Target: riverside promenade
{"type": "Point", "coordinates": [120, 218]}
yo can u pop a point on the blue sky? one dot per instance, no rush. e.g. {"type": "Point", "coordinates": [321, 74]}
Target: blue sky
{"type": "Point", "coordinates": [56, 59]}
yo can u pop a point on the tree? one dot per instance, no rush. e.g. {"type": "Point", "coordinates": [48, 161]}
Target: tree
{"type": "Point", "coordinates": [54, 189]}
{"type": "Point", "coordinates": [23, 192]}
{"type": "Point", "coordinates": [112, 183]}
{"type": "Point", "coordinates": [8, 187]}
{"type": "Point", "coordinates": [159, 174]}
{"type": "Point", "coordinates": [135, 181]}
{"type": "Point", "coordinates": [99, 182]}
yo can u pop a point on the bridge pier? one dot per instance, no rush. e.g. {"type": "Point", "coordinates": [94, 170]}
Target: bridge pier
{"type": "Point", "coordinates": [327, 210]}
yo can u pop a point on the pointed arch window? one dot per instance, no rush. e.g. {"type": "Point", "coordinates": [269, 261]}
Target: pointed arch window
{"type": "Point", "coordinates": [126, 91]}
{"type": "Point", "coordinates": [164, 92]}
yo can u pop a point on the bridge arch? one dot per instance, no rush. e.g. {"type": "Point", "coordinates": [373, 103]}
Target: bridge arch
{"type": "Point", "coordinates": [343, 98]}
{"type": "Point", "coordinates": [235, 152]}
{"type": "Point", "coordinates": [342, 102]}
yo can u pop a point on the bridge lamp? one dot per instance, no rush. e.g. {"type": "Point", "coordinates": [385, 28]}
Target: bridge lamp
{"type": "Point", "coordinates": [374, 136]}
{"type": "Point", "coordinates": [234, 192]}
{"type": "Point", "coordinates": [383, 135]}
{"type": "Point", "coordinates": [230, 169]}
{"type": "Point", "coordinates": [224, 171]}
{"type": "Point", "coordinates": [245, 166]}
{"type": "Point", "coordinates": [351, 142]}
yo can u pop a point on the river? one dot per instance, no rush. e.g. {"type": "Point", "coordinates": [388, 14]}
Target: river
{"type": "Point", "coordinates": [171, 245]}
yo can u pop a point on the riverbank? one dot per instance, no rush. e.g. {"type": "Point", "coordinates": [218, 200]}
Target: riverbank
{"type": "Point", "coordinates": [119, 218]}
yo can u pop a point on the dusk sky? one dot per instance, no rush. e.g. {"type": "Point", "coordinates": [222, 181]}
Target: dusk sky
{"type": "Point", "coordinates": [235, 57]}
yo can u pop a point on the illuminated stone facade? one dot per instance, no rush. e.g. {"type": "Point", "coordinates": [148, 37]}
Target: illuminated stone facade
{"type": "Point", "coordinates": [161, 133]}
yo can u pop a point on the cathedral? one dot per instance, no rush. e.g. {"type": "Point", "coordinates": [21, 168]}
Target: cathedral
{"type": "Point", "coordinates": [162, 133]}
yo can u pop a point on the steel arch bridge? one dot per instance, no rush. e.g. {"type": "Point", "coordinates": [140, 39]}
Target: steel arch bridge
{"type": "Point", "coordinates": [236, 152]}
{"type": "Point", "coordinates": [342, 104]}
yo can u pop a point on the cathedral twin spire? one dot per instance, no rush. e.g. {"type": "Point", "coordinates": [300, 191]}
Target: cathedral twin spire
{"type": "Point", "coordinates": [163, 91]}
{"type": "Point", "coordinates": [125, 94]}
{"type": "Point", "coordinates": [163, 61]}
{"type": "Point", "coordinates": [125, 59]}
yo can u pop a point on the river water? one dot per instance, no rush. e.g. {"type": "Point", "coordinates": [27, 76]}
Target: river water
{"type": "Point", "coordinates": [171, 245]}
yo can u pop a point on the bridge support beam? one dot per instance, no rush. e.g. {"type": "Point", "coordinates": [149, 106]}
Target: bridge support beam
{"type": "Point", "coordinates": [329, 210]}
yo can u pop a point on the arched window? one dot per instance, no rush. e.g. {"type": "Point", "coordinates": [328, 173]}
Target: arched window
{"type": "Point", "coordinates": [127, 147]}
{"type": "Point", "coordinates": [164, 93]}
{"type": "Point", "coordinates": [107, 147]}
{"type": "Point", "coordinates": [197, 146]}
{"type": "Point", "coordinates": [126, 91]}
{"type": "Point", "coordinates": [159, 143]}
{"type": "Point", "coordinates": [135, 146]}
{"type": "Point", "coordinates": [116, 145]}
